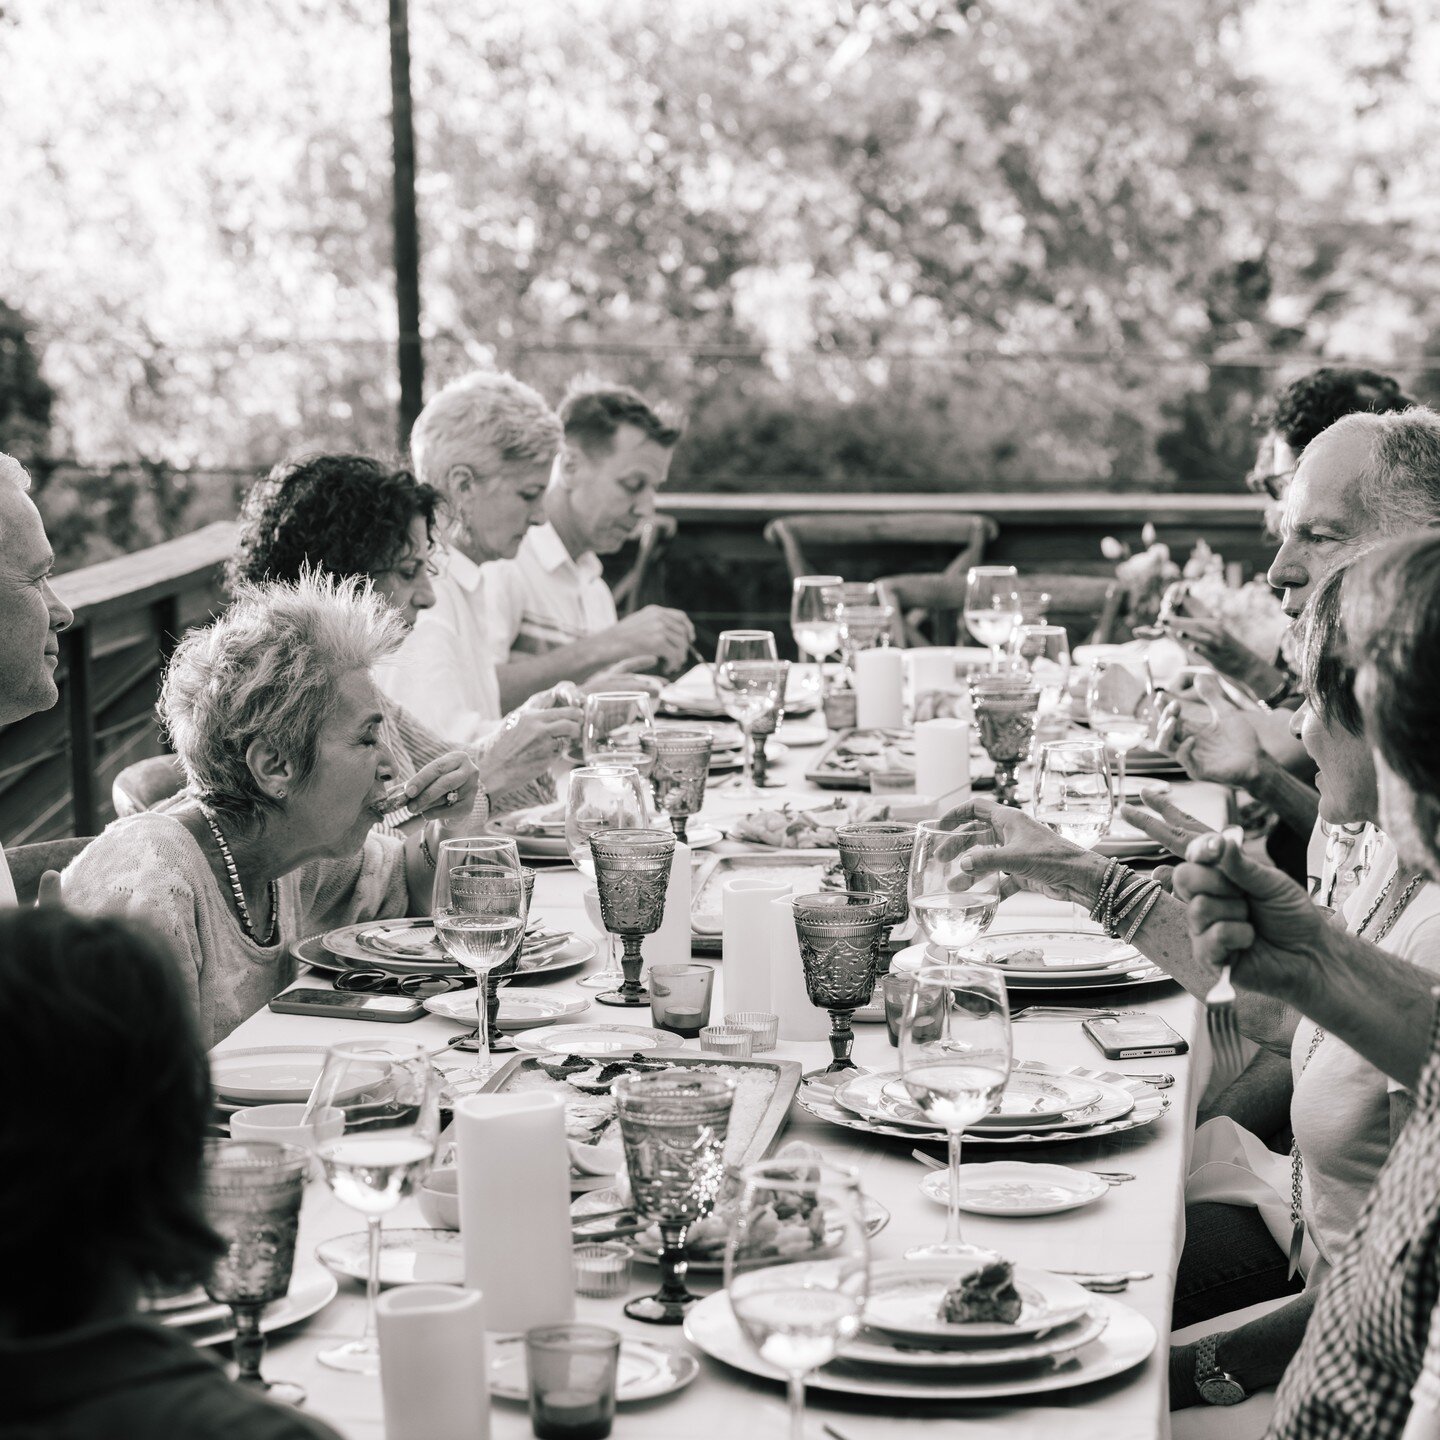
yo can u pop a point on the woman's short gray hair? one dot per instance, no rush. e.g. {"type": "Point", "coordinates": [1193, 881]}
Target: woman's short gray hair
{"type": "Point", "coordinates": [268, 669]}
{"type": "Point", "coordinates": [1399, 487]}
{"type": "Point", "coordinates": [482, 420]}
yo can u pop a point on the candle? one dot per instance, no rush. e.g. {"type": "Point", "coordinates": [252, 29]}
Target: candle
{"type": "Point", "coordinates": [745, 944]}
{"type": "Point", "coordinates": [432, 1363]}
{"type": "Point", "coordinates": [799, 1019]}
{"type": "Point", "coordinates": [682, 1022]}
{"type": "Point", "coordinates": [942, 759]}
{"type": "Point", "coordinates": [879, 690]}
{"type": "Point", "coordinates": [571, 1415]}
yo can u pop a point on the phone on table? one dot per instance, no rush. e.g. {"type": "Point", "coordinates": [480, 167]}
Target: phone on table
{"type": "Point", "coordinates": [396, 1009]}
{"type": "Point", "coordinates": [1129, 1037]}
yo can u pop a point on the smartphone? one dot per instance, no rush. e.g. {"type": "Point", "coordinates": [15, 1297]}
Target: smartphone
{"type": "Point", "coordinates": [1128, 1037]}
{"type": "Point", "coordinates": [396, 1009]}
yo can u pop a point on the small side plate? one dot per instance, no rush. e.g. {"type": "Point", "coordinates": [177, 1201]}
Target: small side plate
{"type": "Point", "coordinates": [646, 1370]}
{"type": "Point", "coordinates": [597, 1042]}
{"type": "Point", "coordinates": [519, 1009]}
{"type": "Point", "coordinates": [407, 1257]}
{"type": "Point", "coordinates": [1016, 1188]}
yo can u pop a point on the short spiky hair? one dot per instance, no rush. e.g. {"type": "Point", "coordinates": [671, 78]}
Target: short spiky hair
{"type": "Point", "coordinates": [482, 420]}
{"type": "Point", "coordinates": [1314, 402]}
{"type": "Point", "coordinates": [594, 409]}
{"type": "Point", "coordinates": [267, 669]}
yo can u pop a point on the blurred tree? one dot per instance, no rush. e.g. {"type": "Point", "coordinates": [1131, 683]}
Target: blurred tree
{"type": "Point", "coordinates": [25, 397]}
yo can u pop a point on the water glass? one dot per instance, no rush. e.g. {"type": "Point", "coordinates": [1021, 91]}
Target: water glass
{"type": "Point", "coordinates": [748, 683]}
{"type": "Point", "coordinates": [951, 907]}
{"type": "Point", "coordinates": [680, 998]}
{"type": "Point", "coordinates": [812, 621]}
{"type": "Point", "coordinates": [572, 1370]}
{"type": "Point", "coordinates": [673, 1124]}
{"type": "Point", "coordinates": [682, 766]}
{"type": "Point", "coordinates": [992, 607]}
{"type": "Point", "coordinates": [895, 991]}
{"type": "Point", "coordinates": [610, 974]}
{"type": "Point", "coordinates": [601, 797]}
{"type": "Point", "coordinates": [957, 1076]}
{"type": "Point", "coordinates": [251, 1191]}
{"type": "Point", "coordinates": [1045, 651]}
{"type": "Point", "coordinates": [856, 595]}
{"type": "Point", "coordinates": [618, 728]}
{"type": "Point", "coordinates": [1120, 696]}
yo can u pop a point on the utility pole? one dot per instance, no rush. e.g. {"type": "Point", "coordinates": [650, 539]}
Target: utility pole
{"type": "Point", "coordinates": [407, 229]}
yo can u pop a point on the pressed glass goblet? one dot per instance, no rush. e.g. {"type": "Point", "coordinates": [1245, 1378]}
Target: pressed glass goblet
{"type": "Point", "coordinates": [682, 766]}
{"type": "Point", "coordinates": [632, 876]}
{"type": "Point", "coordinates": [673, 1125]}
{"type": "Point", "coordinates": [1005, 706]}
{"type": "Point", "coordinates": [875, 856]}
{"type": "Point", "coordinates": [839, 935]}
{"type": "Point", "coordinates": [252, 1191]}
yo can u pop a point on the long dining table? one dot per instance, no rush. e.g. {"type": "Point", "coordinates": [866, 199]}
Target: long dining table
{"type": "Point", "coordinates": [1137, 1225]}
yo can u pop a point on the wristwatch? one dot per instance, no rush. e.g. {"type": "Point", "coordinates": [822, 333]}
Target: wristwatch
{"type": "Point", "coordinates": [1216, 1386]}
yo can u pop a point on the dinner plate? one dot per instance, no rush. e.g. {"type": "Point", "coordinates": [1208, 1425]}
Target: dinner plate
{"type": "Point", "coordinates": [598, 1042]}
{"type": "Point", "coordinates": [1070, 954]}
{"type": "Point", "coordinates": [572, 951]}
{"type": "Point", "coordinates": [1016, 1187]}
{"type": "Point", "coordinates": [310, 1292]}
{"type": "Point", "coordinates": [276, 1074]}
{"type": "Point", "coordinates": [555, 847]}
{"type": "Point", "coordinates": [519, 1009]}
{"type": "Point", "coordinates": [1062, 977]}
{"type": "Point", "coordinates": [906, 1295]}
{"type": "Point", "coordinates": [412, 942]}
{"type": "Point", "coordinates": [1029, 1097]}
{"type": "Point", "coordinates": [874, 1348]}
{"type": "Point", "coordinates": [645, 1372]}
{"type": "Point", "coordinates": [407, 1257]}
{"type": "Point", "coordinates": [1127, 1340]}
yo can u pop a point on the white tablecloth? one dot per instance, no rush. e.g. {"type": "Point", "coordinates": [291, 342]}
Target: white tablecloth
{"type": "Point", "coordinates": [1138, 1225]}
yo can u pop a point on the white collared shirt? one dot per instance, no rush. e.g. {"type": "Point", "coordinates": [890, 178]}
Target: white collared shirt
{"type": "Point", "coordinates": [7, 885]}
{"type": "Point", "coordinates": [444, 673]}
{"type": "Point", "coordinates": [545, 598]}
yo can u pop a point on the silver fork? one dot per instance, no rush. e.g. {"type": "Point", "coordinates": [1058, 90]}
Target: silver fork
{"type": "Point", "coordinates": [1064, 1012]}
{"type": "Point", "coordinates": [1222, 1025]}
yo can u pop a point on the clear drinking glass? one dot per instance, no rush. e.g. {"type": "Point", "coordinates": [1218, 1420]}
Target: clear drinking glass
{"type": "Point", "coordinates": [797, 1305]}
{"type": "Point", "coordinates": [252, 1191]}
{"type": "Point", "coordinates": [610, 975]}
{"type": "Point", "coordinates": [952, 907]}
{"type": "Point", "coordinates": [1045, 651]}
{"type": "Point", "coordinates": [1072, 792]}
{"type": "Point", "coordinates": [992, 607]}
{"type": "Point", "coordinates": [673, 1124]}
{"type": "Point", "coordinates": [572, 1372]}
{"type": "Point", "coordinates": [390, 1095]}
{"type": "Point", "coordinates": [1121, 700]}
{"type": "Point", "coordinates": [857, 594]}
{"type": "Point", "coordinates": [480, 916]}
{"type": "Point", "coordinates": [957, 1076]}
{"type": "Point", "coordinates": [812, 621]}
{"type": "Point", "coordinates": [601, 797]}
{"type": "Point", "coordinates": [619, 729]}
{"type": "Point", "coordinates": [748, 682]}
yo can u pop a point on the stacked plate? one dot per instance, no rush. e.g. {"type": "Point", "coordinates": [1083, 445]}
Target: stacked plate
{"type": "Point", "coordinates": [203, 1322]}
{"type": "Point", "coordinates": [539, 833]}
{"type": "Point", "coordinates": [1063, 1337]}
{"type": "Point", "coordinates": [1051, 960]}
{"type": "Point", "coordinates": [1041, 1105]}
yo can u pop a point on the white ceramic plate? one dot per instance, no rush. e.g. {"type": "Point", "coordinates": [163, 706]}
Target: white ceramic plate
{"type": "Point", "coordinates": [573, 950]}
{"type": "Point", "coordinates": [1127, 1340]}
{"type": "Point", "coordinates": [871, 1347]}
{"type": "Point", "coordinates": [905, 1297]}
{"type": "Point", "coordinates": [1030, 1097]}
{"type": "Point", "coordinates": [646, 1370]}
{"type": "Point", "coordinates": [519, 1009]}
{"type": "Point", "coordinates": [1067, 954]}
{"type": "Point", "coordinates": [407, 1257]}
{"type": "Point", "coordinates": [598, 1042]}
{"type": "Point", "coordinates": [1016, 1187]}
{"type": "Point", "coordinates": [1138, 972]}
{"type": "Point", "coordinates": [275, 1074]}
{"type": "Point", "coordinates": [555, 847]}
{"type": "Point", "coordinates": [310, 1292]}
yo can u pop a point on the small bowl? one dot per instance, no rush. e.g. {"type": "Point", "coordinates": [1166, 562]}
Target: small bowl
{"type": "Point", "coordinates": [736, 1041]}
{"type": "Point", "coordinates": [764, 1026]}
{"type": "Point", "coordinates": [281, 1124]}
{"type": "Point", "coordinates": [440, 1199]}
{"type": "Point", "coordinates": [602, 1270]}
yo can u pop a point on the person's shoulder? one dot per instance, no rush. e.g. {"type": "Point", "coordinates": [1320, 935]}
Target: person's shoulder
{"type": "Point", "coordinates": [198, 1405]}
{"type": "Point", "coordinates": [150, 840]}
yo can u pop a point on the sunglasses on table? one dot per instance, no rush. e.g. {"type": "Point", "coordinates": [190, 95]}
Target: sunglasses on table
{"type": "Point", "coordinates": [377, 982]}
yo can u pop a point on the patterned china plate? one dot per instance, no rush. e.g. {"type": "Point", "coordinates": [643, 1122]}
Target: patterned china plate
{"type": "Point", "coordinates": [905, 1299]}
{"type": "Point", "coordinates": [646, 1370]}
{"type": "Point", "coordinates": [872, 1347]}
{"type": "Point", "coordinates": [407, 1257]}
{"type": "Point", "coordinates": [1016, 1187]}
{"type": "Point", "coordinates": [519, 1009]}
{"type": "Point", "coordinates": [597, 1042]}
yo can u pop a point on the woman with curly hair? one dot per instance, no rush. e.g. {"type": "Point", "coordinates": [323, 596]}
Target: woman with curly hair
{"type": "Point", "coordinates": [356, 518]}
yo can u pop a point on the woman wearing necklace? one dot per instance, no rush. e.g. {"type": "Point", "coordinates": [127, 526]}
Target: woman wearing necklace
{"type": "Point", "coordinates": [273, 716]}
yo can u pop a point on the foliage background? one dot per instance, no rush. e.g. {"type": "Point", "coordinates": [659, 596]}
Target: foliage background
{"type": "Point", "coordinates": [868, 244]}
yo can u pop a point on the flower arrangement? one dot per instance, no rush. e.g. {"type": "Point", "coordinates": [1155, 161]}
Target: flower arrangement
{"type": "Point", "coordinates": [1145, 574]}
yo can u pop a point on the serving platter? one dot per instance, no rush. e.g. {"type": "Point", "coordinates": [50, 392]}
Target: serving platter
{"type": "Point", "coordinates": [838, 766]}
{"type": "Point", "coordinates": [708, 876]}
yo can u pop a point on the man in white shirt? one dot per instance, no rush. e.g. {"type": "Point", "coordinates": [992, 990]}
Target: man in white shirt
{"type": "Point", "coordinates": [551, 613]}
{"type": "Point", "coordinates": [31, 614]}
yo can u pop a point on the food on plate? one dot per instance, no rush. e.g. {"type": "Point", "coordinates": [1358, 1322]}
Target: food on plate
{"type": "Point", "coordinates": [596, 1077]}
{"type": "Point", "coordinates": [987, 1294]}
{"type": "Point", "coordinates": [786, 827]}
{"type": "Point", "coordinates": [1028, 957]}
{"type": "Point", "coordinates": [942, 705]}
{"type": "Point", "coordinates": [538, 820]}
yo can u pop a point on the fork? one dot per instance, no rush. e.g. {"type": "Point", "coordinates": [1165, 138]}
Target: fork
{"type": "Point", "coordinates": [1064, 1012]}
{"type": "Point", "coordinates": [1220, 1022]}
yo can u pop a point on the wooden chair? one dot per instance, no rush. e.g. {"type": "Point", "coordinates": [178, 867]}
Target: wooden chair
{"type": "Point", "coordinates": [29, 862]}
{"type": "Point", "coordinates": [1090, 607]}
{"type": "Point", "coordinates": [655, 535]}
{"type": "Point", "coordinates": [143, 785]}
{"type": "Point", "coordinates": [924, 598]}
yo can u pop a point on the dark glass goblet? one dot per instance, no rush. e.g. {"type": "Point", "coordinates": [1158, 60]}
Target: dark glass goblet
{"type": "Point", "coordinates": [839, 934]}
{"type": "Point", "coordinates": [632, 879]}
{"type": "Point", "coordinates": [682, 766]}
{"type": "Point", "coordinates": [1005, 708]}
{"type": "Point", "coordinates": [875, 856]}
{"type": "Point", "coordinates": [674, 1126]}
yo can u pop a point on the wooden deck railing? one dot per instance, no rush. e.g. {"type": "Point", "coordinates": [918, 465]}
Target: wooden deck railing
{"type": "Point", "coordinates": [56, 768]}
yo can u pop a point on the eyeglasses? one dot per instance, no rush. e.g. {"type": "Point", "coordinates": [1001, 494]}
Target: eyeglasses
{"type": "Point", "coordinates": [377, 982]}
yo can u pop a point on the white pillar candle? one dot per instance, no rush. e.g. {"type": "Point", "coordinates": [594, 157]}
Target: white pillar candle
{"type": "Point", "coordinates": [745, 940]}
{"type": "Point", "coordinates": [515, 1207]}
{"type": "Point", "coordinates": [942, 760]}
{"type": "Point", "coordinates": [433, 1369]}
{"type": "Point", "coordinates": [799, 1019]}
{"type": "Point", "coordinates": [671, 943]}
{"type": "Point", "coordinates": [931, 668]}
{"type": "Point", "coordinates": [879, 689]}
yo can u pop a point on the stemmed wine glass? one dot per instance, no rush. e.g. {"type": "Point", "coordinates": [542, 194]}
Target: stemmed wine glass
{"type": "Point", "coordinates": [812, 621]}
{"type": "Point", "coordinates": [480, 916]}
{"type": "Point", "coordinates": [673, 1125]}
{"type": "Point", "coordinates": [861, 595]}
{"type": "Point", "coordinates": [992, 607]}
{"type": "Point", "coordinates": [1121, 699]}
{"type": "Point", "coordinates": [390, 1096]}
{"type": "Point", "coordinates": [1045, 651]}
{"type": "Point", "coordinates": [619, 729]}
{"type": "Point", "coordinates": [798, 1305]}
{"type": "Point", "coordinates": [601, 797]}
{"type": "Point", "coordinates": [958, 1075]}
{"type": "Point", "coordinates": [1072, 791]}
{"type": "Point", "coordinates": [748, 681]}
{"type": "Point", "coordinates": [682, 768]}
{"type": "Point", "coordinates": [251, 1192]}
{"type": "Point", "coordinates": [951, 906]}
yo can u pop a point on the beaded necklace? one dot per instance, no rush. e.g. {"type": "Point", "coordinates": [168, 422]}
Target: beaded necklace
{"type": "Point", "coordinates": [241, 908]}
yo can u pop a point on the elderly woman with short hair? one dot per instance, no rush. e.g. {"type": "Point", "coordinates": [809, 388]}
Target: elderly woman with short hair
{"type": "Point", "coordinates": [275, 719]}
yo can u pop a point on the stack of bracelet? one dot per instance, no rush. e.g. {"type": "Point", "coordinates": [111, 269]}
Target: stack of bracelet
{"type": "Point", "coordinates": [1124, 897]}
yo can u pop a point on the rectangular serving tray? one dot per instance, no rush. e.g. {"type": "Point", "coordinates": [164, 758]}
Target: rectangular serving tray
{"type": "Point", "coordinates": [829, 776]}
{"type": "Point", "coordinates": [711, 871]}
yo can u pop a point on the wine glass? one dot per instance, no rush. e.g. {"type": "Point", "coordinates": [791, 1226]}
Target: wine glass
{"type": "Point", "coordinates": [601, 797]}
{"type": "Point", "coordinates": [619, 729]}
{"type": "Point", "coordinates": [632, 877]}
{"type": "Point", "coordinates": [1072, 792]}
{"type": "Point", "coordinates": [251, 1191]}
{"type": "Point", "coordinates": [1045, 651]}
{"type": "Point", "coordinates": [992, 606]}
{"type": "Point", "coordinates": [1121, 698]}
{"type": "Point", "coordinates": [390, 1096]}
{"type": "Point", "coordinates": [682, 767]}
{"type": "Point", "coordinates": [957, 1076]}
{"type": "Point", "coordinates": [949, 904]}
{"type": "Point", "coordinates": [858, 595]}
{"type": "Point", "coordinates": [673, 1125]}
{"type": "Point", "coordinates": [748, 681]}
{"type": "Point", "coordinates": [765, 725]}
{"type": "Point", "coordinates": [480, 916]}
{"type": "Point", "coordinates": [812, 621]}
{"type": "Point", "coordinates": [798, 1305]}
